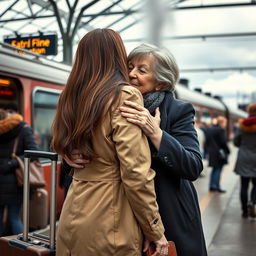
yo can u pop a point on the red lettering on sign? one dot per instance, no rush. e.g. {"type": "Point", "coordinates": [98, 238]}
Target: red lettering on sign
{"type": "Point", "coordinates": [7, 93]}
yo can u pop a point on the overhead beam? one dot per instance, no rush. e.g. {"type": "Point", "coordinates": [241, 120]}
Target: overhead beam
{"type": "Point", "coordinates": [174, 8]}
{"type": "Point", "coordinates": [215, 6]}
{"type": "Point", "coordinates": [43, 5]}
{"type": "Point", "coordinates": [27, 18]}
{"type": "Point", "coordinates": [48, 5]}
{"type": "Point", "coordinates": [125, 12]}
{"type": "Point", "coordinates": [218, 69]}
{"type": "Point", "coordinates": [106, 10]}
{"type": "Point", "coordinates": [124, 16]}
{"type": "Point", "coordinates": [9, 8]}
{"type": "Point", "coordinates": [30, 7]}
{"type": "Point", "coordinates": [203, 37]}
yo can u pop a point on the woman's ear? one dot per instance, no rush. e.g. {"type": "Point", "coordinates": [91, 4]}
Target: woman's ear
{"type": "Point", "coordinates": [159, 87]}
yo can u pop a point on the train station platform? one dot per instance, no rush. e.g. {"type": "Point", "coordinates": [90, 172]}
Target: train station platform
{"type": "Point", "coordinates": [226, 232]}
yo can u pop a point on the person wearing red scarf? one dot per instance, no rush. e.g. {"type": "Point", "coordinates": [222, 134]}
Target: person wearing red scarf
{"type": "Point", "coordinates": [245, 166]}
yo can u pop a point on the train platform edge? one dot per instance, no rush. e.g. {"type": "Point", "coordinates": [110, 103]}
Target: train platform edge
{"type": "Point", "coordinates": [226, 232]}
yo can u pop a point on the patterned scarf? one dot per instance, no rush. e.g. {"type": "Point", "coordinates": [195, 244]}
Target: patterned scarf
{"type": "Point", "coordinates": [153, 100]}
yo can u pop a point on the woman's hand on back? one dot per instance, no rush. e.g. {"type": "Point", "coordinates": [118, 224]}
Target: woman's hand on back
{"type": "Point", "coordinates": [78, 160]}
{"type": "Point", "coordinates": [150, 125]}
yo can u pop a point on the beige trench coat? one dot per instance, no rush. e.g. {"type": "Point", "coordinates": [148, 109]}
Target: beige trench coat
{"type": "Point", "coordinates": [111, 202]}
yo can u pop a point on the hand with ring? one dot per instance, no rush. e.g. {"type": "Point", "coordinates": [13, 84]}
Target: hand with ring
{"type": "Point", "coordinates": [161, 247]}
{"type": "Point", "coordinates": [150, 125]}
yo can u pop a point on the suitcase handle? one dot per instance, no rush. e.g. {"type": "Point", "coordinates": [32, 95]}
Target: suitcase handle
{"type": "Point", "coordinates": [41, 154]}
{"type": "Point", "coordinates": [53, 157]}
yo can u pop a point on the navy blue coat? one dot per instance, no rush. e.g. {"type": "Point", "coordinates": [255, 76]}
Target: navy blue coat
{"type": "Point", "coordinates": [178, 163]}
{"type": "Point", "coordinates": [216, 140]}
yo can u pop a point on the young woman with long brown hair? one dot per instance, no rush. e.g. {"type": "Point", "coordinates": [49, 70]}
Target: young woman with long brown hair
{"type": "Point", "coordinates": [111, 201]}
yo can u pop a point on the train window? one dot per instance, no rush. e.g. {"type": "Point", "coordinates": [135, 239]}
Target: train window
{"type": "Point", "coordinates": [44, 107]}
{"type": "Point", "coordinates": [197, 114]}
{"type": "Point", "coordinates": [10, 92]}
{"type": "Point", "coordinates": [206, 117]}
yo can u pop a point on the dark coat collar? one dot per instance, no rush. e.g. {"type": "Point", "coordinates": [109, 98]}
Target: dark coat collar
{"type": "Point", "coordinates": [164, 109]}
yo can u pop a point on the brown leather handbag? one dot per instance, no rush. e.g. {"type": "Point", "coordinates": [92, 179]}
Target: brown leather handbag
{"type": "Point", "coordinates": [171, 249]}
{"type": "Point", "coordinates": [36, 174]}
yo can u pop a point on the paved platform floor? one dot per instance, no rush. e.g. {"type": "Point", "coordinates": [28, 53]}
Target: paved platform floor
{"type": "Point", "coordinates": [226, 232]}
{"type": "Point", "coordinates": [235, 236]}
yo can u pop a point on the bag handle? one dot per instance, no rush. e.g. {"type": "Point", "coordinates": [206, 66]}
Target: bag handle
{"type": "Point", "coordinates": [54, 158]}
{"type": "Point", "coordinates": [15, 145]}
{"type": "Point", "coordinates": [16, 141]}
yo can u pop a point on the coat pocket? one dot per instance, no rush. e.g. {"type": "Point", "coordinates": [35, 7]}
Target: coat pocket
{"type": "Point", "coordinates": [187, 201]}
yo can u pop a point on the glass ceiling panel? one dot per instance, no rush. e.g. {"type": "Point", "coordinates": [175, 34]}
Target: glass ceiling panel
{"type": "Point", "coordinates": [97, 7]}
{"type": "Point", "coordinates": [35, 8]}
{"type": "Point", "coordinates": [25, 12]}
{"type": "Point", "coordinates": [8, 15]}
{"type": "Point", "coordinates": [100, 23]}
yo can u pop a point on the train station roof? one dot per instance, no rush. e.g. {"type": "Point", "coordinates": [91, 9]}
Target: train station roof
{"type": "Point", "coordinates": [31, 16]}
{"type": "Point", "coordinates": [126, 16]}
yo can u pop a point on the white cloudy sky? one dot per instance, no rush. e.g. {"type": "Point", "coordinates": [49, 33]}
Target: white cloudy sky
{"type": "Point", "coordinates": [228, 52]}
{"type": "Point", "coordinates": [217, 52]}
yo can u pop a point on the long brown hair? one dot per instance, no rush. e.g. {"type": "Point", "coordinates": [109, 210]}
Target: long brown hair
{"type": "Point", "coordinates": [99, 72]}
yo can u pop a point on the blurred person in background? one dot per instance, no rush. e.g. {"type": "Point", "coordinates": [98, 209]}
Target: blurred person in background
{"type": "Point", "coordinates": [201, 140]}
{"type": "Point", "coordinates": [218, 152]}
{"type": "Point", "coordinates": [3, 114]}
{"type": "Point", "coordinates": [12, 126]}
{"type": "Point", "coordinates": [204, 127]}
{"type": "Point", "coordinates": [111, 202]}
{"type": "Point", "coordinates": [200, 136]}
{"type": "Point", "coordinates": [245, 166]}
{"type": "Point", "coordinates": [169, 125]}
{"type": "Point", "coordinates": [65, 177]}
{"type": "Point", "coordinates": [11, 108]}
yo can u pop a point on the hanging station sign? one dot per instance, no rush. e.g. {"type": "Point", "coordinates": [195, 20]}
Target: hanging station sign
{"type": "Point", "coordinates": [39, 43]}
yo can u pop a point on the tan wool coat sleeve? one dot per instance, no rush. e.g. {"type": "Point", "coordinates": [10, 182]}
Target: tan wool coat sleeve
{"type": "Point", "coordinates": [138, 179]}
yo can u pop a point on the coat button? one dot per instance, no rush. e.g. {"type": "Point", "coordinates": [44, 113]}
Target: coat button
{"type": "Point", "coordinates": [155, 221]}
{"type": "Point", "coordinates": [165, 158]}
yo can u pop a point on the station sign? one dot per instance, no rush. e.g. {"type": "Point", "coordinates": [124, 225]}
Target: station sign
{"type": "Point", "coordinates": [40, 43]}
{"type": "Point", "coordinates": [7, 91]}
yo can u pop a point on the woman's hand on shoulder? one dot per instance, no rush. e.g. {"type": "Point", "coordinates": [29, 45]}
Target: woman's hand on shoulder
{"type": "Point", "coordinates": [78, 160]}
{"type": "Point", "coordinates": [136, 114]}
{"type": "Point", "coordinates": [150, 125]}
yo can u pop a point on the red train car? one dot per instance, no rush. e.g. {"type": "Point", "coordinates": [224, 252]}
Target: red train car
{"type": "Point", "coordinates": [34, 84]}
{"type": "Point", "coordinates": [207, 108]}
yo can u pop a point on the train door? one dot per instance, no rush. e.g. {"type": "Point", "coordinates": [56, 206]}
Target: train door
{"type": "Point", "coordinates": [206, 117]}
{"type": "Point", "coordinates": [11, 92]}
{"type": "Point", "coordinates": [44, 102]}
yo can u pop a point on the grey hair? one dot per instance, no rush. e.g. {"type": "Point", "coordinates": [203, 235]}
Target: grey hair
{"type": "Point", "coordinates": [165, 68]}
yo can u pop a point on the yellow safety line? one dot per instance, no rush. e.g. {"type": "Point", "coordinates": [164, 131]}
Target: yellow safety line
{"type": "Point", "coordinates": [204, 202]}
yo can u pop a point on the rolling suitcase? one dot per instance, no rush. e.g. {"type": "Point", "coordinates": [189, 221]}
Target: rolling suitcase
{"type": "Point", "coordinates": [38, 209]}
{"type": "Point", "coordinates": [33, 244]}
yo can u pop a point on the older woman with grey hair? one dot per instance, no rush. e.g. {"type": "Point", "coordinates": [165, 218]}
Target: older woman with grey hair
{"type": "Point", "coordinates": [169, 126]}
